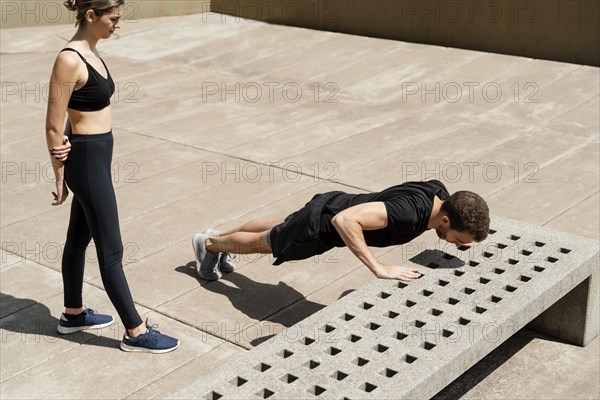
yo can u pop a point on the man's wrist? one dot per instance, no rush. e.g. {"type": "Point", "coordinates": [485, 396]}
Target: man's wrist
{"type": "Point", "coordinates": [377, 269]}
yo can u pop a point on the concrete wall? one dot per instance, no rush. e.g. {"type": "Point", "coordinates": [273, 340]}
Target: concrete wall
{"type": "Point", "coordinates": [24, 13]}
{"type": "Point", "coordinates": [561, 30]}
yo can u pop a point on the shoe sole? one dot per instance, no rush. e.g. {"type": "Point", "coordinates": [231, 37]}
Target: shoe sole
{"type": "Point", "coordinates": [136, 349]}
{"type": "Point", "coordinates": [217, 274]}
{"type": "Point", "coordinates": [197, 237]}
{"type": "Point", "coordinates": [212, 278]}
{"type": "Point", "coordinates": [67, 330]}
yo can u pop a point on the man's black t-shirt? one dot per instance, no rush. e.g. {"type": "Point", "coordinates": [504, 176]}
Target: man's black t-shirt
{"type": "Point", "coordinates": [408, 208]}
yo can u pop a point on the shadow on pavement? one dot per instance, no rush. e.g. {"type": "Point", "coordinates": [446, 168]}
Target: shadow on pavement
{"type": "Point", "coordinates": [28, 317]}
{"type": "Point", "coordinates": [245, 291]}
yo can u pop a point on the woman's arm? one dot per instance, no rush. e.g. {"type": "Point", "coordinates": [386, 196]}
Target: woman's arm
{"type": "Point", "coordinates": [62, 82]}
{"type": "Point", "coordinates": [61, 153]}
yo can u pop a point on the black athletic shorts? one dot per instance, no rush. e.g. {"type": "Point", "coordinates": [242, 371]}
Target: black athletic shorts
{"type": "Point", "coordinates": [299, 236]}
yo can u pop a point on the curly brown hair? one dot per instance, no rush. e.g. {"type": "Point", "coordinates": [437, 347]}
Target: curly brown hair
{"type": "Point", "coordinates": [468, 212]}
{"type": "Point", "coordinates": [100, 7]}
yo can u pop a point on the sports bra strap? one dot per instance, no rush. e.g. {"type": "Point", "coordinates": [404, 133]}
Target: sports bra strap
{"type": "Point", "coordinates": [105, 67]}
{"type": "Point", "coordinates": [70, 49]}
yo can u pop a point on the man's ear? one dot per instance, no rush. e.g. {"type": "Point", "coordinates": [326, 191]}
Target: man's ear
{"type": "Point", "coordinates": [445, 221]}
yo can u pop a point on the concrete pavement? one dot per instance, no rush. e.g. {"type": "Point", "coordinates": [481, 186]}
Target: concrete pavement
{"type": "Point", "coordinates": [218, 120]}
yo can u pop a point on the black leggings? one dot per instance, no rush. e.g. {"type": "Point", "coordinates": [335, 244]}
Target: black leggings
{"type": "Point", "coordinates": [94, 215]}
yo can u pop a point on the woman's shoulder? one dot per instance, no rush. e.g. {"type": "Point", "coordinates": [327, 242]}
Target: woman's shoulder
{"type": "Point", "coordinates": [67, 57]}
{"type": "Point", "coordinates": [70, 57]}
{"type": "Point", "coordinates": [67, 65]}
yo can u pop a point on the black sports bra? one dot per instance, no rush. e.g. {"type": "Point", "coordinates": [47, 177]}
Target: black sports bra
{"type": "Point", "coordinates": [95, 94]}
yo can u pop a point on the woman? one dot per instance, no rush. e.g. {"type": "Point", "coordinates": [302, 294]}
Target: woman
{"type": "Point", "coordinates": [81, 86]}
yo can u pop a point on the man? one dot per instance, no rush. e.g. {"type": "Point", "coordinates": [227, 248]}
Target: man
{"type": "Point", "coordinates": [394, 216]}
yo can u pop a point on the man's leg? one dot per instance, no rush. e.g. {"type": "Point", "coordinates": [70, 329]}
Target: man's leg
{"type": "Point", "coordinates": [212, 250]}
{"type": "Point", "coordinates": [255, 225]}
{"type": "Point", "coordinates": [249, 238]}
{"type": "Point", "coordinates": [239, 243]}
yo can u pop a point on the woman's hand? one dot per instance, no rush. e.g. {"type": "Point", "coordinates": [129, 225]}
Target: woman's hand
{"type": "Point", "coordinates": [61, 194]}
{"type": "Point", "coordinates": [62, 152]}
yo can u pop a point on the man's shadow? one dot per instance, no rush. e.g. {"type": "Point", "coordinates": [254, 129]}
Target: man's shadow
{"type": "Point", "coordinates": [27, 317]}
{"type": "Point", "coordinates": [241, 296]}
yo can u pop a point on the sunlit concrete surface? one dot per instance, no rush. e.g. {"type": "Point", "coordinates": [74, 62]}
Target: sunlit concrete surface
{"type": "Point", "coordinates": [218, 120]}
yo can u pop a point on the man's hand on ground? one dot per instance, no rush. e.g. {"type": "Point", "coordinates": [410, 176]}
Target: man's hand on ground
{"type": "Point", "coordinates": [397, 272]}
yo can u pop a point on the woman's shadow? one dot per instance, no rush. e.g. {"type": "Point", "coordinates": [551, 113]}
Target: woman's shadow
{"type": "Point", "coordinates": [241, 298]}
{"type": "Point", "coordinates": [26, 318]}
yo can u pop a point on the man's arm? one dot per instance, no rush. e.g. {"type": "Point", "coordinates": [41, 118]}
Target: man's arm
{"type": "Point", "coordinates": [350, 224]}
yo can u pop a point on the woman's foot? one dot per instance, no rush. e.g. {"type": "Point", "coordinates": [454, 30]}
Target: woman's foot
{"type": "Point", "coordinates": [88, 319]}
{"type": "Point", "coordinates": [138, 330]}
{"type": "Point", "coordinates": [152, 341]}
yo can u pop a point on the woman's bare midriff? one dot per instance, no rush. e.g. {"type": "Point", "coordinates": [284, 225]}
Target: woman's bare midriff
{"type": "Point", "coordinates": [90, 122]}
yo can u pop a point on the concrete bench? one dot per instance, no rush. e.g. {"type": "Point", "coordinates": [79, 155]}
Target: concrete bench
{"type": "Point", "coordinates": [409, 340]}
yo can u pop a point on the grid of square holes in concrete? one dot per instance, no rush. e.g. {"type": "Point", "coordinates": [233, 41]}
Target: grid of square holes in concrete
{"type": "Point", "coordinates": [388, 337]}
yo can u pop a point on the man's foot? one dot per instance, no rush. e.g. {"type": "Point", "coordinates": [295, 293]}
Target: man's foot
{"type": "Point", "coordinates": [209, 268]}
{"type": "Point", "coordinates": [225, 261]}
{"type": "Point", "coordinates": [150, 342]}
{"type": "Point", "coordinates": [207, 262]}
{"type": "Point", "coordinates": [199, 245]}
{"type": "Point", "coordinates": [88, 319]}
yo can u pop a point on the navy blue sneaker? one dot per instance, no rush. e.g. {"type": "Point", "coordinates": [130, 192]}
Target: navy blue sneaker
{"type": "Point", "coordinates": [150, 342]}
{"type": "Point", "coordinates": [88, 319]}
